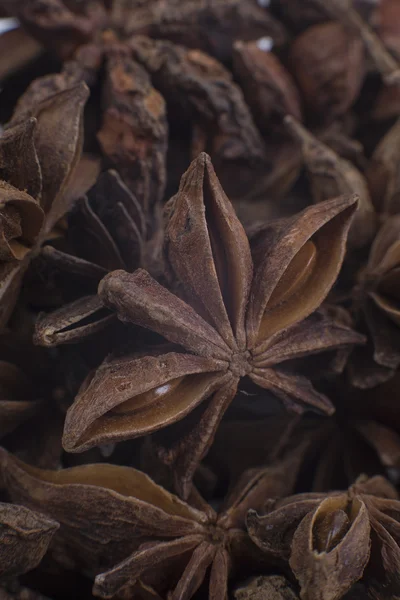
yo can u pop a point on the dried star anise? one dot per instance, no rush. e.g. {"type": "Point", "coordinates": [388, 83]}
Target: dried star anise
{"type": "Point", "coordinates": [331, 176]}
{"type": "Point", "coordinates": [38, 158]}
{"type": "Point", "coordinates": [328, 64]}
{"type": "Point", "coordinates": [244, 316]}
{"type": "Point", "coordinates": [374, 304]}
{"type": "Point", "coordinates": [334, 540]}
{"type": "Point", "coordinates": [103, 42]}
{"type": "Point", "coordinates": [24, 538]}
{"type": "Point", "coordinates": [138, 530]}
{"type": "Point", "coordinates": [106, 231]}
{"type": "Point", "coordinates": [273, 587]}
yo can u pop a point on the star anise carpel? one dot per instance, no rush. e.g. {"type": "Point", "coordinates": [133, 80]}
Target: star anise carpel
{"type": "Point", "coordinates": [238, 316]}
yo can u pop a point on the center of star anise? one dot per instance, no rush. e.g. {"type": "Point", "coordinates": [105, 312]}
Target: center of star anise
{"type": "Point", "coordinates": [216, 534]}
{"type": "Point", "coordinates": [240, 364]}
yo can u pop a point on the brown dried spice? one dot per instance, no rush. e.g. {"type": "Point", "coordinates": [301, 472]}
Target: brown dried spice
{"type": "Point", "coordinates": [134, 131]}
{"type": "Point", "coordinates": [329, 66]}
{"type": "Point", "coordinates": [267, 86]}
{"type": "Point", "coordinates": [344, 11]}
{"type": "Point", "coordinates": [37, 160]}
{"type": "Point", "coordinates": [236, 324]}
{"type": "Point", "coordinates": [332, 541]}
{"type": "Point", "coordinates": [331, 176]}
{"type": "Point", "coordinates": [139, 530]}
{"type": "Point", "coordinates": [107, 231]}
{"type": "Point", "coordinates": [24, 538]}
{"type": "Point", "coordinates": [272, 587]}
{"type": "Point", "coordinates": [376, 309]}
{"type": "Point", "coordinates": [204, 90]}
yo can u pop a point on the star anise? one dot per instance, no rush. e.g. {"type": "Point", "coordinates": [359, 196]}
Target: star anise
{"type": "Point", "coordinates": [272, 587]}
{"type": "Point", "coordinates": [38, 158]}
{"type": "Point", "coordinates": [106, 231]}
{"type": "Point", "coordinates": [374, 305]}
{"type": "Point", "coordinates": [333, 541]}
{"type": "Point", "coordinates": [331, 175]}
{"type": "Point", "coordinates": [99, 42]}
{"type": "Point", "coordinates": [138, 530]}
{"type": "Point", "coordinates": [243, 317]}
{"type": "Point", "coordinates": [24, 538]}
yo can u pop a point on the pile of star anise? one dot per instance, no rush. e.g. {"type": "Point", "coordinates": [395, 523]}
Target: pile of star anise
{"type": "Point", "coordinates": [200, 300]}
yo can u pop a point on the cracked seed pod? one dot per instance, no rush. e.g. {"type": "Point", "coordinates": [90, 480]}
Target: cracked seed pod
{"type": "Point", "coordinates": [38, 158]}
{"type": "Point", "coordinates": [333, 541]}
{"type": "Point", "coordinates": [330, 176]}
{"type": "Point", "coordinates": [242, 317]}
{"type": "Point", "coordinates": [144, 531]}
{"type": "Point", "coordinates": [328, 64]}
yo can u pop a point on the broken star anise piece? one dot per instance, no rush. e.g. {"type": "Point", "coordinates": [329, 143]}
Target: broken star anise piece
{"type": "Point", "coordinates": [139, 530]}
{"type": "Point", "coordinates": [238, 318]}
{"type": "Point", "coordinates": [332, 541]}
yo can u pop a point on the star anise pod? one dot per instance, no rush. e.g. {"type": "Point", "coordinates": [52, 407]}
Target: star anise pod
{"type": "Point", "coordinates": [333, 541]}
{"type": "Point", "coordinates": [24, 538]}
{"type": "Point", "coordinates": [38, 158]}
{"type": "Point", "coordinates": [374, 304]}
{"type": "Point", "coordinates": [137, 530]}
{"type": "Point", "coordinates": [107, 230]}
{"type": "Point", "coordinates": [382, 173]}
{"type": "Point", "coordinates": [243, 316]}
{"type": "Point", "coordinates": [211, 26]}
{"type": "Point", "coordinates": [271, 587]}
{"type": "Point", "coordinates": [331, 175]}
{"type": "Point", "coordinates": [100, 44]}
{"type": "Point", "coordinates": [344, 11]}
{"type": "Point", "coordinates": [327, 61]}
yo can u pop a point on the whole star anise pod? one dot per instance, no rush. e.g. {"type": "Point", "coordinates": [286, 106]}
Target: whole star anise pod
{"type": "Point", "coordinates": [38, 158]}
{"type": "Point", "coordinates": [332, 541]}
{"type": "Point", "coordinates": [244, 316]}
{"type": "Point", "coordinates": [137, 530]}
